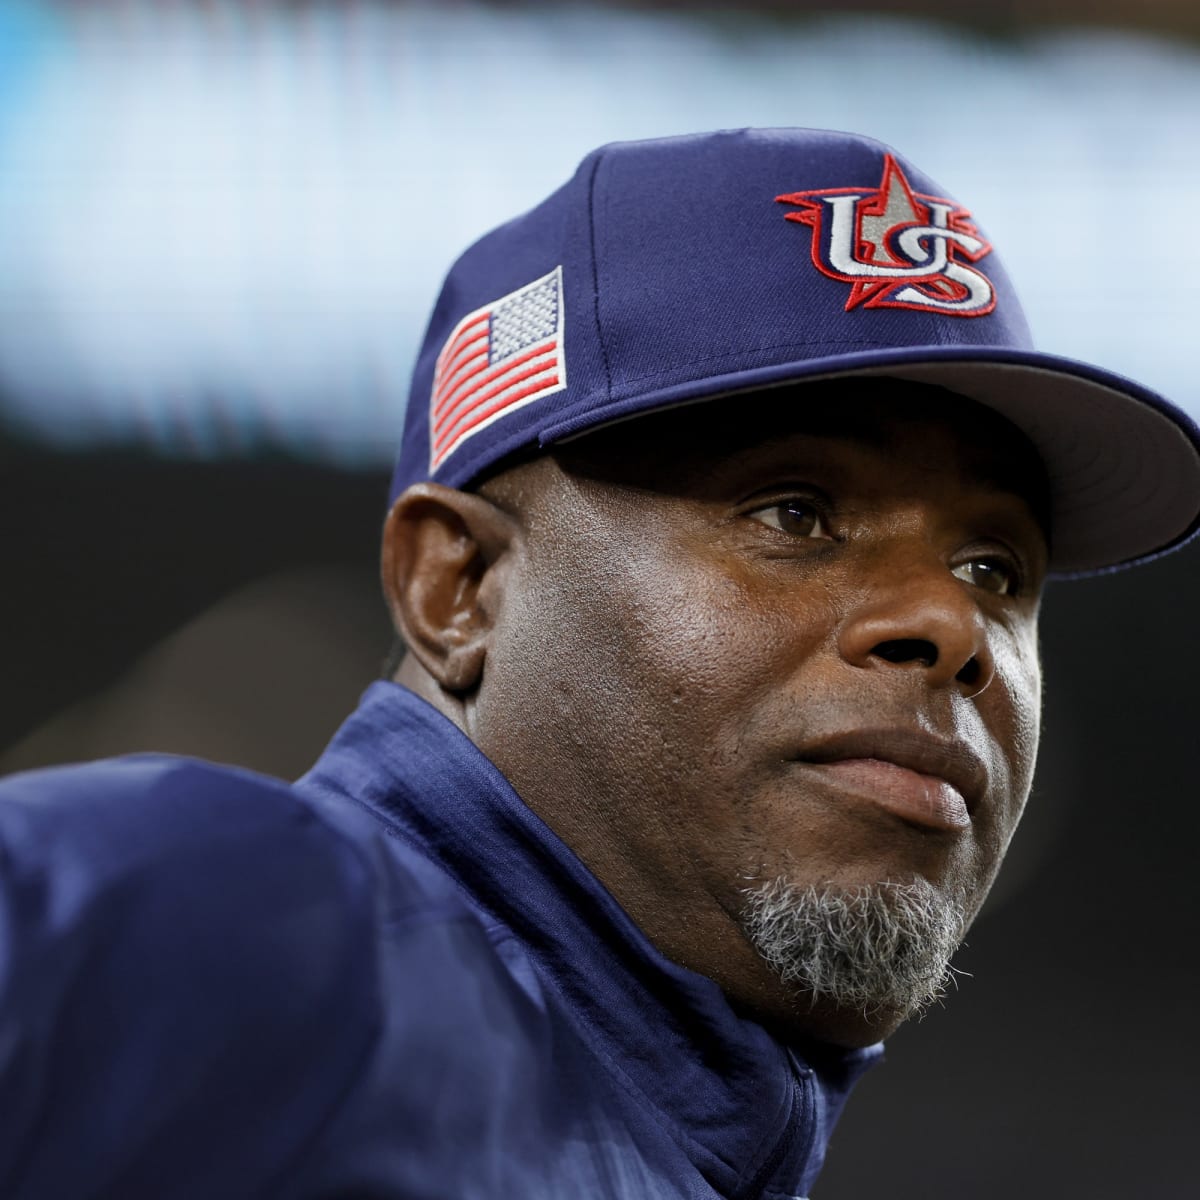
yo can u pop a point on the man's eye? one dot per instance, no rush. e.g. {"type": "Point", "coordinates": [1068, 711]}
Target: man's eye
{"type": "Point", "coordinates": [991, 574]}
{"type": "Point", "coordinates": [795, 516]}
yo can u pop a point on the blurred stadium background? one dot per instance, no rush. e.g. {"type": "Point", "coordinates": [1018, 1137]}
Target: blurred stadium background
{"type": "Point", "coordinates": [221, 227]}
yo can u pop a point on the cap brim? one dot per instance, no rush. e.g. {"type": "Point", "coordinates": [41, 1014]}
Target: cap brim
{"type": "Point", "coordinates": [1123, 463]}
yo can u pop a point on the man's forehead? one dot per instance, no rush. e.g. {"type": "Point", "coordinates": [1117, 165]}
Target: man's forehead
{"type": "Point", "coordinates": [685, 447]}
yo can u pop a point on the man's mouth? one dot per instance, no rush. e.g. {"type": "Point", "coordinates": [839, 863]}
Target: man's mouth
{"type": "Point", "coordinates": [929, 781]}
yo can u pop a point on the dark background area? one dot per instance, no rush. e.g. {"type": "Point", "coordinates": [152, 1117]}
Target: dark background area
{"type": "Point", "coordinates": [109, 554]}
{"type": "Point", "coordinates": [998, 17]}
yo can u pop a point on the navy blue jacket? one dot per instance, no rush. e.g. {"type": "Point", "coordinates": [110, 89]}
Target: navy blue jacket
{"type": "Point", "coordinates": [387, 980]}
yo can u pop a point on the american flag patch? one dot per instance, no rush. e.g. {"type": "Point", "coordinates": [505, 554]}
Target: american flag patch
{"type": "Point", "coordinates": [497, 359]}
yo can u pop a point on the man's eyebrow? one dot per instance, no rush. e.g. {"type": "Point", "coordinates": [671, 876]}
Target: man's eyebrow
{"type": "Point", "coordinates": [1006, 464]}
{"type": "Point", "coordinates": [1012, 472]}
{"type": "Point", "coordinates": [1021, 474]}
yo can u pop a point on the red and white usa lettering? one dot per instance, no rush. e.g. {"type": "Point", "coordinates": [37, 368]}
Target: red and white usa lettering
{"type": "Point", "coordinates": [897, 248]}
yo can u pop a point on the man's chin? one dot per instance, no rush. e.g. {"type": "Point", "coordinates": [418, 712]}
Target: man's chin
{"type": "Point", "coordinates": [859, 961]}
{"type": "Point", "coordinates": [819, 1022]}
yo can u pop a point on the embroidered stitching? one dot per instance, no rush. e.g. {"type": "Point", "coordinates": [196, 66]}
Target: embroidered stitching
{"type": "Point", "coordinates": [896, 248]}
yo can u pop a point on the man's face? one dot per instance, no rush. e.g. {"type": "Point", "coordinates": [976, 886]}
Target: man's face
{"type": "Point", "coordinates": [783, 640]}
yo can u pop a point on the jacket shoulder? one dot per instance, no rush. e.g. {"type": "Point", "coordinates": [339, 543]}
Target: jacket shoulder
{"type": "Point", "coordinates": [183, 948]}
{"type": "Point", "coordinates": [166, 796]}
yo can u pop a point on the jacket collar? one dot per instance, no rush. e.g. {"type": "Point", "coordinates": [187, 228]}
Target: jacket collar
{"type": "Point", "coordinates": [728, 1087]}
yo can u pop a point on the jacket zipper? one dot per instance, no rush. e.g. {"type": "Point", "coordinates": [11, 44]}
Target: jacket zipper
{"type": "Point", "coordinates": [797, 1127]}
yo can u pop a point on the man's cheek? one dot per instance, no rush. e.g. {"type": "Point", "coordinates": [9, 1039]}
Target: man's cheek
{"type": "Point", "coordinates": [1018, 699]}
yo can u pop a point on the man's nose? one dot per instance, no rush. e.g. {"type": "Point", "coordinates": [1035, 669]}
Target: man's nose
{"type": "Point", "coordinates": [920, 618]}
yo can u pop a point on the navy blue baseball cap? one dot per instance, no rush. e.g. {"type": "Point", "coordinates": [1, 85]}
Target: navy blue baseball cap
{"type": "Point", "coordinates": [683, 269]}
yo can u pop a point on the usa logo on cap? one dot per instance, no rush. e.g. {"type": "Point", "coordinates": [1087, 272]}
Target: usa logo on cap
{"type": "Point", "coordinates": [897, 248]}
{"type": "Point", "coordinates": [497, 359]}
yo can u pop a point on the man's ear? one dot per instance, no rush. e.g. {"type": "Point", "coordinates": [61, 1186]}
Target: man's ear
{"type": "Point", "coordinates": [442, 552]}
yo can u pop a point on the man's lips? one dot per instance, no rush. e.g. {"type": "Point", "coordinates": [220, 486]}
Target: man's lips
{"type": "Point", "coordinates": [928, 780]}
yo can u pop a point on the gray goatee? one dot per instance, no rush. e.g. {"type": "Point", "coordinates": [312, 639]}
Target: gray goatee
{"type": "Point", "coordinates": [884, 947]}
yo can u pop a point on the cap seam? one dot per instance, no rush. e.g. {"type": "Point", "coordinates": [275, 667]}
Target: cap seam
{"type": "Point", "coordinates": [591, 213]}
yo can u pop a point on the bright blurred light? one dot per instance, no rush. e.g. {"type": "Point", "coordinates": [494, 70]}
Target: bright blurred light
{"type": "Point", "coordinates": [222, 226]}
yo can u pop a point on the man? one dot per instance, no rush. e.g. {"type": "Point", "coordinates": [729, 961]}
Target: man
{"type": "Point", "coordinates": [716, 720]}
